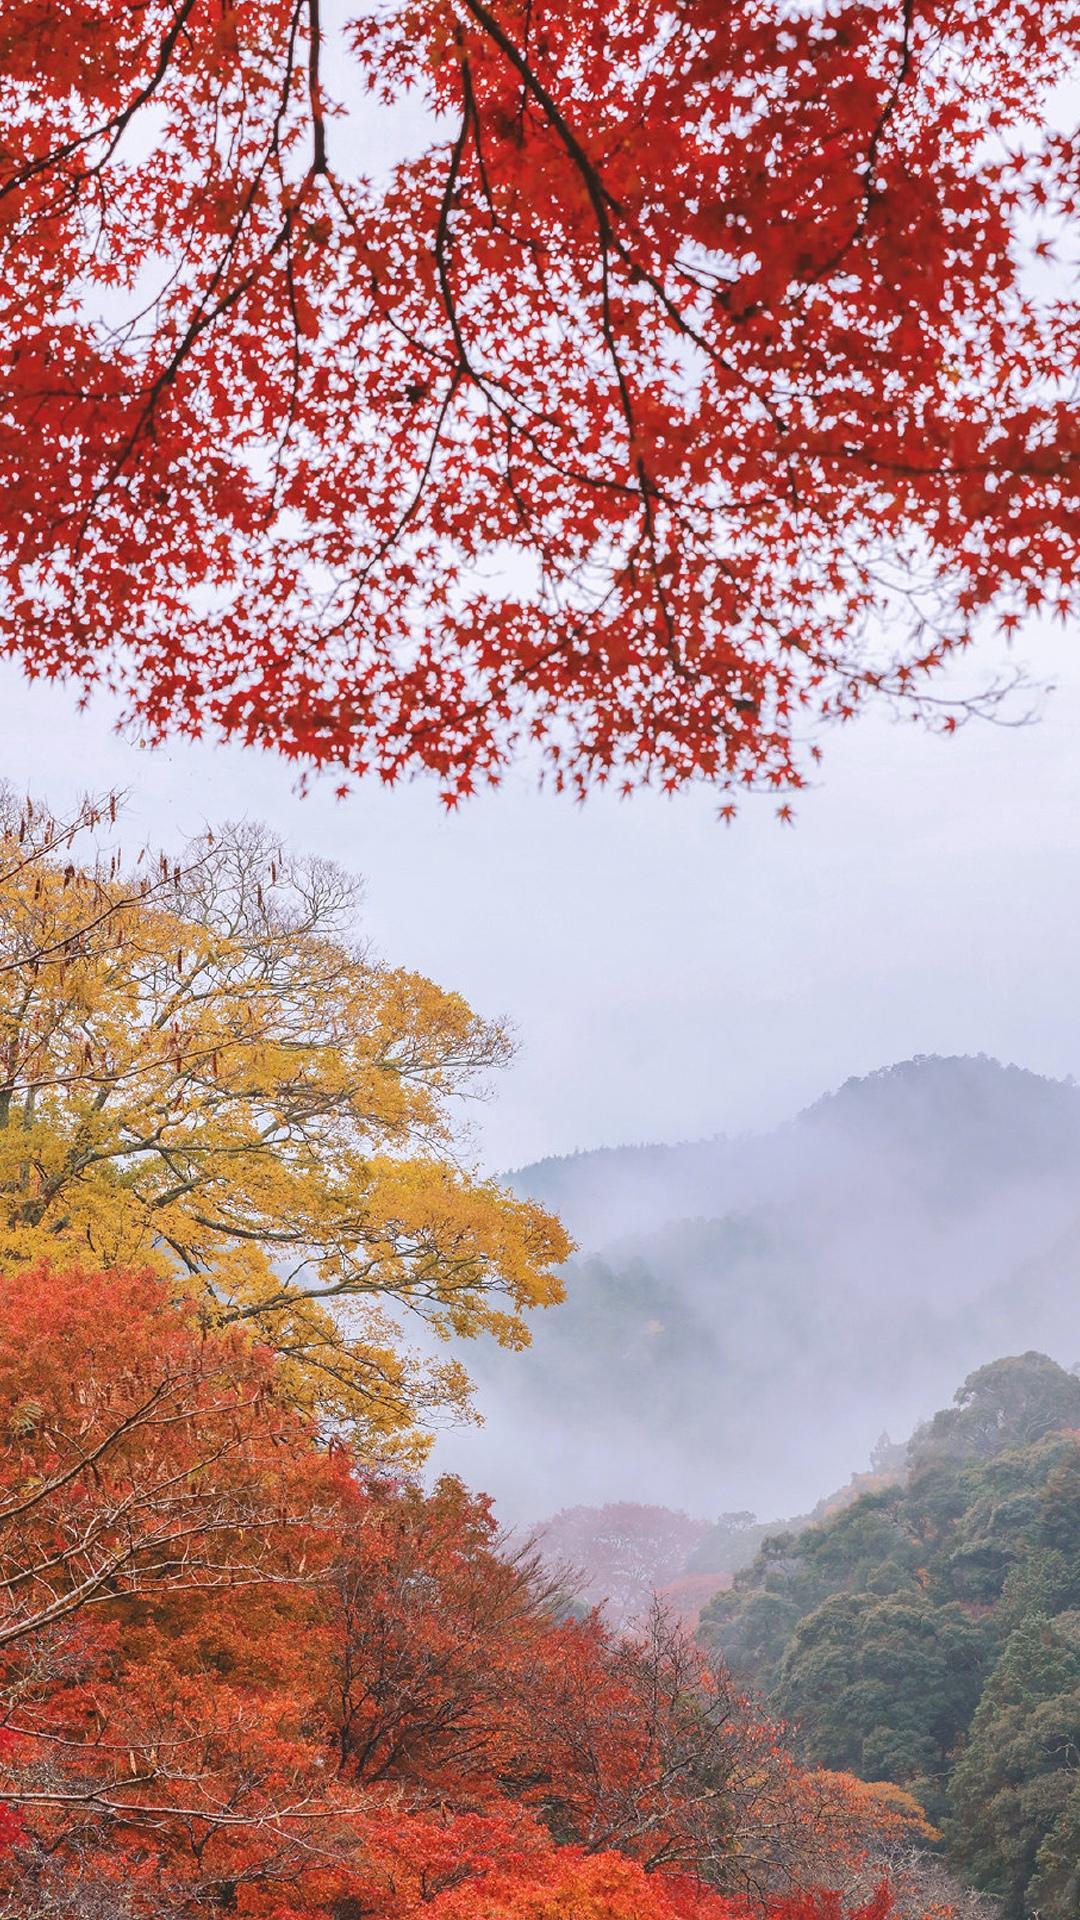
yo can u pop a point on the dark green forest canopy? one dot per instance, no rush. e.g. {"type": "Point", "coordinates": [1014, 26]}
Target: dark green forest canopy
{"type": "Point", "coordinates": [929, 1633]}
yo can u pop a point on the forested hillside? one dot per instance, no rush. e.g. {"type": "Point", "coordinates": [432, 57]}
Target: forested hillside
{"type": "Point", "coordinates": [862, 1259]}
{"type": "Point", "coordinates": [929, 1633]}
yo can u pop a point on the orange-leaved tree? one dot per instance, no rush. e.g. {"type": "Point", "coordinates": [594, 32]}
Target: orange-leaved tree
{"type": "Point", "coordinates": [701, 372]}
{"type": "Point", "coordinates": [235, 1676]}
{"type": "Point", "coordinates": [201, 1070]}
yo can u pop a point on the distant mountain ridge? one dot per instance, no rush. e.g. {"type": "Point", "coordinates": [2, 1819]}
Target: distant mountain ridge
{"type": "Point", "coordinates": [747, 1315]}
{"type": "Point", "coordinates": [953, 1107]}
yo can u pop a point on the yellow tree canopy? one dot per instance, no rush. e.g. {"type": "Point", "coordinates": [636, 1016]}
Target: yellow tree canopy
{"type": "Point", "coordinates": [202, 1072]}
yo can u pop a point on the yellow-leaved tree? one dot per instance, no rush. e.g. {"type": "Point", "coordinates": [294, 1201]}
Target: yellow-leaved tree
{"type": "Point", "coordinates": [202, 1072]}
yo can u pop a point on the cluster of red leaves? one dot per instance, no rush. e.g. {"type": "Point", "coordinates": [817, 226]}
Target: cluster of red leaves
{"type": "Point", "coordinates": [689, 387]}
{"type": "Point", "coordinates": [236, 1678]}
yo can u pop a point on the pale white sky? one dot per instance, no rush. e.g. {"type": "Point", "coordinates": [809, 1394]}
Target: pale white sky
{"type": "Point", "coordinates": [669, 977]}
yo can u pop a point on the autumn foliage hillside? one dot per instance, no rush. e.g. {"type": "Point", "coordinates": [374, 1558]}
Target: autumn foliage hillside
{"type": "Point", "coordinates": [238, 1677]}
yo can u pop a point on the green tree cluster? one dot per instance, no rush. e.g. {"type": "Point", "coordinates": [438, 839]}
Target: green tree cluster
{"type": "Point", "coordinates": [929, 1633]}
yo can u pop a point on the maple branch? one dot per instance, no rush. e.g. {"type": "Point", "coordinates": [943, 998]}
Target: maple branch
{"type": "Point", "coordinates": [877, 135]}
{"type": "Point", "coordinates": [45, 1489]}
{"type": "Point", "coordinates": [603, 200]}
{"type": "Point", "coordinates": [318, 125]}
{"type": "Point", "coordinates": [604, 205]}
{"type": "Point", "coordinates": [116, 124]}
{"type": "Point", "coordinates": [210, 309]}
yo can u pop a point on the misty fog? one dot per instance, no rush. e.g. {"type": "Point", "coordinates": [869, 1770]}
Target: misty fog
{"type": "Point", "coordinates": [745, 1317]}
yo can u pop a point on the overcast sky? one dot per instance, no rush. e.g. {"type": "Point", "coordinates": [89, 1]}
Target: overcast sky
{"type": "Point", "coordinates": [669, 977]}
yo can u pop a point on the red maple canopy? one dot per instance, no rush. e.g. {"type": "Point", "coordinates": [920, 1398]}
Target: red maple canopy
{"type": "Point", "coordinates": [696, 382]}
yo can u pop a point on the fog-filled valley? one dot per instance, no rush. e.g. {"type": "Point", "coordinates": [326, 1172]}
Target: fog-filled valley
{"type": "Point", "coordinates": [815, 1396]}
{"type": "Point", "coordinates": [746, 1317]}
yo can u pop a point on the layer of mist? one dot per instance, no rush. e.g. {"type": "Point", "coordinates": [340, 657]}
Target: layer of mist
{"type": "Point", "coordinates": [745, 1317]}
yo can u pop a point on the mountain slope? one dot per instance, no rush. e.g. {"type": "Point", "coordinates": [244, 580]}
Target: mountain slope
{"type": "Point", "coordinates": [750, 1314]}
{"type": "Point", "coordinates": [929, 1634]}
{"type": "Point", "coordinates": [947, 1130]}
